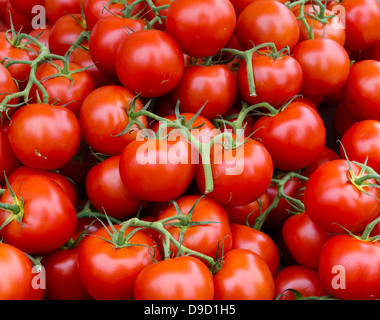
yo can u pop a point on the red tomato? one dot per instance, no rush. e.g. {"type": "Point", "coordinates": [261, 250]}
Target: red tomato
{"type": "Point", "coordinates": [372, 52]}
{"type": "Point", "coordinates": [7, 86]}
{"type": "Point", "coordinates": [349, 268]}
{"type": "Point", "coordinates": [213, 87]}
{"type": "Point", "coordinates": [16, 273]}
{"type": "Point", "coordinates": [181, 278]}
{"type": "Point", "coordinates": [239, 5]}
{"type": "Point", "coordinates": [362, 140]}
{"type": "Point", "coordinates": [342, 120]}
{"type": "Point", "coordinates": [304, 239]}
{"type": "Point", "coordinates": [19, 22]}
{"type": "Point", "coordinates": [201, 27]}
{"type": "Point", "coordinates": [244, 237]}
{"type": "Point", "coordinates": [267, 21]}
{"type": "Point", "coordinates": [332, 201]}
{"type": "Point", "coordinates": [359, 94]}
{"type": "Point", "coordinates": [64, 32]}
{"type": "Point", "coordinates": [149, 63]}
{"type": "Point", "coordinates": [103, 117]}
{"type": "Point", "coordinates": [62, 275]}
{"type": "Point", "coordinates": [294, 137]}
{"type": "Point", "coordinates": [8, 161]}
{"type": "Point", "coordinates": [107, 192]}
{"type": "Point", "coordinates": [25, 8]}
{"type": "Point", "coordinates": [43, 136]}
{"type": "Point", "coordinates": [62, 90]}
{"type": "Point", "coordinates": [67, 186]}
{"type": "Point", "coordinates": [276, 80]}
{"type": "Point", "coordinates": [108, 272]}
{"type": "Point", "coordinates": [105, 38]}
{"type": "Point", "coordinates": [326, 155]}
{"type": "Point", "coordinates": [362, 23]}
{"type": "Point", "coordinates": [47, 217]}
{"type": "Point", "coordinates": [325, 64]}
{"type": "Point", "coordinates": [244, 275]}
{"type": "Point", "coordinates": [211, 238]}
{"type": "Point", "coordinates": [305, 281]}
{"type": "Point", "coordinates": [157, 170]}
{"type": "Point", "coordinates": [42, 35]}
{"type": "Point", "coordinates": [247, 214]}
{"type": "Point", "coordinates": [58, 8]}
{"type": "Point", "coordinates": [241, 175]}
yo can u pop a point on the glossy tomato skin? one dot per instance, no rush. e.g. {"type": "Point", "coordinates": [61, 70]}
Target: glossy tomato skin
{"type": "Point", "coordinates": [152, 172]}
{"type": "Point", "coordinates": [62, 276]}
{"type": "Point", "coordinates": [58, 8]}
{"type": "Point", "coordinates": [103, 116]}
{"type": "Point", "coordinates": [8, 161]}
{"type": "Point", "coordinates": [105, 38]}
{"type": "Point", "coordinates": [211, 87]}
{"type": "Point", "coordinates": [107, 192]}
{"type": "Point", "coordinates": [267, 21]}
{"type": "Point", "coordinates": [211, 239]}
{"type": "Point", "coordinates": [25, 7]}
{"type": "Point", "coordinates": [326, 155]}
{"type": "Point", "coordinates": [44, 136]}
{"type": "Point", "coordinates": [181, 278]}
{"type": "Point", "coordinates": [61, 90]}
{"type": "Point", "coordinates": [244, 275]}
{"type": "Point", "coordinates": [276, 80]}
{"type": "Point", "coordinates": [349, 268]}
{"type": "Point", "coordinates": [304, 239]}
{"type": "Point", "coordinates": [359, 94]}
{"type": "Point", "coordinates": [240, 175]}
{"type": "Point", "coordinates": [49, 218]}
{"type": "Point", "coordinates": [287, 136]}
{"type": "Point", "coordinates": [325, 65]}
{"type": "Point", "coordinates": [7, 86]}
{"type": "Point", "coordinates": [333, 202]}
{"type": "Point", "coordinates": [304, 280]}
{"type": "Point", "coordinates": [108, 272]}
{"type": "Point", "coordinates": [362, 22]}
{"type": "Point", "coordinates": [244, 237]}
{"type": "Point", "coordinates": [149, 63]}
{"type": "Point", "coordinates": [201, 28]}
{"type": "Point", "coordinates": [361, 141]}
{"type": "Point", "coordinates": [16, 273]}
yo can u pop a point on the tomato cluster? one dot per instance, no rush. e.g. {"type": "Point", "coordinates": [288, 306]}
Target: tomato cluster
{"type": "Point", "coordinates": [187, 149]}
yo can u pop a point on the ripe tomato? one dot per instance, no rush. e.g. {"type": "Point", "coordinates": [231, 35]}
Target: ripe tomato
{"type": "Point", "coordinates": [342, 120]}
{"type": "Point", "coordinates": [332, 201]}
{"type": "Point", "coordinates": [362, 140]}
{"type": "Point", "coordinates": [325, 64]}
{"type": "Point", "coordinates": [107, 192]}
{"type": "Point", "coordinates": [109, 271]}
{"type": "Point", "coordinates": [244, 275]}
{"type": "Point", "coordinates": [244, 237]}
{"type": "Point", "coordinates": [19, 22]}
{"type": "Point", "coordinates": [21, 172]}
{"type": "Point", "coordinates": [170, 162]}
{"type": "Point", "coordinates": [58, 8]}
{"type": "Point", "coordinates": [212, 237]}
{"type": "Point", "coordinates": [276, 79]}
{"type": "Point", "coordinates": [47, 217]}
{"type": "Point", "coordinates": [304, 280]}
{"type": "Point", "coordinates": [65, 32]}
{"type": "Point", "coordinates": [24, 8]}
{"type": "Point", "coordinates": [241, 175]}
{"type": "Point", "coordinates": [326, 155]}
{"type": "Point", "coordinates": [103, 117]}
{"type": "Point", "coordinates": [105, 38]}
{"type": "Point", "coordinates": [294, 137]}
{"type": "Point", "coordinates": [362, 22]}
{"type": "Point", "coordinates": [304, 239]}
{"type": "Point", "coordinates": [16, 273]}
{"type": "Point", "coordinates": [213, 87]}
{"type": "Point", "coordinates": [43, 136]}
{"type": "Point", "coordinates": [267, 21]}
{"type": "Point", "coordinates": [359, 95]}
{"type": "Point", "coordinates": [8, 161]}
{"type": "Point", "coordinates": [7, 86]}
{"type": "Point", "coordinates": [201, 27]}
{"type": "Point", "coordinates": [239, 5]}
{"type": "Point", "coordinates": [149, 63]}
{"type": "Point", "coordinates": [349, 268]}
{"type": "Point", "coordinates": [181, 278]}
{"type": "Point", "coordinates": [62, 275]}
{"type": "Point", "coordinates": [63, 91]}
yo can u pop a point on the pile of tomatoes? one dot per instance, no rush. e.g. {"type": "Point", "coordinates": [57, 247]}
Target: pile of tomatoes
{"type": "Point", "coordinates": [189, 149]}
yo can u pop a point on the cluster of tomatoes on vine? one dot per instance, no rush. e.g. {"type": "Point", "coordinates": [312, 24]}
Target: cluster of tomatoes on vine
{"type": "Point", "coordinates": [176, 149]}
